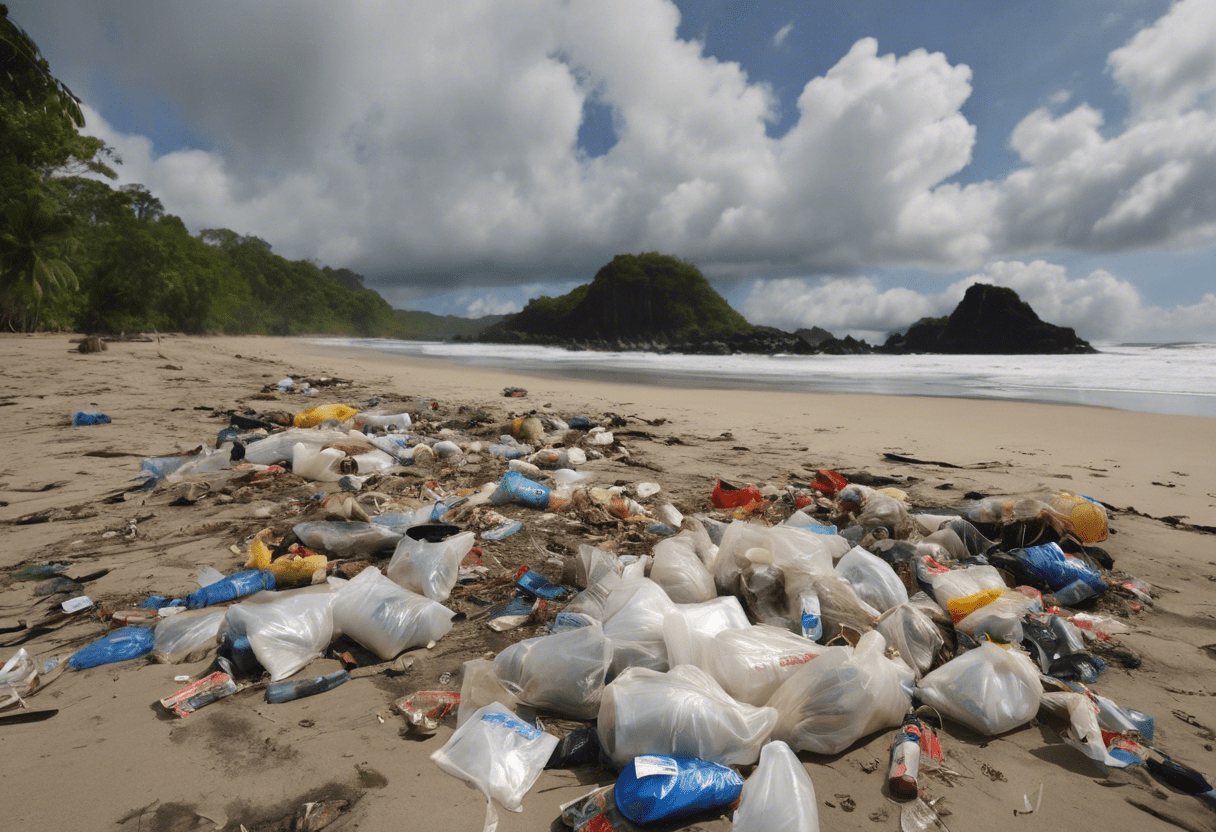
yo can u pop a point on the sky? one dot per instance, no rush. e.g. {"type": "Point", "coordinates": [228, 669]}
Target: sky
{"type": "Point", "coordinates": [849, 164]}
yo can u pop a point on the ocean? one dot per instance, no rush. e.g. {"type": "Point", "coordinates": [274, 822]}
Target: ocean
{"type": "Point", "coordinates": [1177, 379]}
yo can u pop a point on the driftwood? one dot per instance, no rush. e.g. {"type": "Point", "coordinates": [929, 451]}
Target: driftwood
{"type": "Point", "coordinates": [92, 343]}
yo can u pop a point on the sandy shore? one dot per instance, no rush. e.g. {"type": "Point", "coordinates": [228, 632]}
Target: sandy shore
{"type": "Point", "coordinates": [111, 759]}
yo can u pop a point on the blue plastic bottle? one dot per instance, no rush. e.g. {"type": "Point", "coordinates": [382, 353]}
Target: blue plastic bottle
{"type": "Point", "coordinates": [277, 692]}
{"type": "Point", "coordinates": [233, 586]}
{"type": "Point", "coordinates": [118, 646]}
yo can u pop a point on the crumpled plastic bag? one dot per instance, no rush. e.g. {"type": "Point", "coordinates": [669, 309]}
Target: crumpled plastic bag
{"type": "Point", "coordinates": [562, 673]}
{"type": "Point", "coordinates": [478, 688]}
{"type": "Point", "coordinates": [874, 509]}
{"type": "Point", "coordinates": [633, 621]}
{"type": "Point", "coordinates": [386, 618]}
{"type": "Point", "coordinates": [1084, 733]}
{"type": "Point", "coordinates": [345, 538]}
{"type": "Point", "coordinates": [187, 636]}
{"type": "Point", "coordinates": [593, 564]}
{"type": "Point", "coordinates": [999, 619]}
{"type": "Point", "coordinates": [913, 635]}
{"type": "Point", "coordinates": [779, 796]}
{"type": "Point", "coordinates": [989, 689]}
{"type": "Point", "coordinates": [286, 630]}
{"type": "Point", "coordinates": [498, 754]}
{"type": "Point", "coordinates": [839, 604]}
{"type": "Point", "coordinates": [873, 579]}
{"type": "Point", "coordinates": [678, 569]}
{"type": "Point", "coordinates": [960, 583]}
{"type": "Point", "coordinates": [323, 413]}
{"type": "Point", "coordinates": [429, 569]}
{"type": "Point", "coordinates": [750, 663]}
{"type": "Point", "coordinates": [18, 678]}
{"type": "Point", "coordinates": [681, 713]}
{"type": "Point", "coordinates": [841, 696]}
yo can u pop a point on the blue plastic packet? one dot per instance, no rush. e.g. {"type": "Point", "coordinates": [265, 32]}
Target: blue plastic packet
{"type": "Point", "coordinates": [514, 487]}
{"type": "Point", "coordinates": [655, 787]}
{"type": "Point", "coordinates": [118, 646]}
{"type": "Point", "coordinates": [1049, 563]}
{"type": "Point", "coordinates": [502, 530]}
{"type": "Point", "coordinates": [80, 419]}
{"type": "Point", "coordinates": [537, 584]}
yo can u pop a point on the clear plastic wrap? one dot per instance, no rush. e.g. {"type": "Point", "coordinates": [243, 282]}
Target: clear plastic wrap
{"type": "Point", "coordinates": [750, 663]}
{"type": "Point", "coordinates": [593, 564]}
{"type": "Point", "coordinates": [841, 696]}
{"type": "Point", "coordinates": [873, 579]}
{"type": "Point", "coordinates": [682, 713]}
{"type": "Point", "coordinates": [633, 621]}
{"type": "Point", "coordinates": [345, 538]}
{"type": "Point", "coordinates": [779, 796]}
{"type": "Point", "coordinates": [839, 604]}
{"type": "Point", "coordinates": [478, 688]}
{"type": "Point", "coordinates": [989, 689]}
{"type": "Point", "coordinates": [591, 601]}
{"type": "Point", "coordinates": [286, 630]}
{"type": "Point", "coordinates": [187, 636]}
{"type": "Point", "coordinates": [913, 635]}
{"type": "Point", "coordinates": [386, 618]}
{"type": "Point", "coordinates": [427, 568]}
{"type": "Point", "coordinates": [499, 754]}
{"type": "Point", "coordinates": [679, 570]}
{"type": "Point", "coordinates": [562, 673]}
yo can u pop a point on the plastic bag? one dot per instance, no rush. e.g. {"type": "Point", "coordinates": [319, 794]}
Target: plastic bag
{"type": "Point", "coordinates": [680, 572]}
{"type": "Point", "coordinates": [562, 673]}
{"type": "Point", "coordinates": [1056, 569]}
{"type": "Point", "coordinates": [593, 564]}
{"type": "Point", "coordinates": [1084, 733]}
{"type": "Point", "coordinates": [655, 787]}
{"type": "Point", "coordinates": [750, 663]}
{"type": "Point", "coordinates": [960, 583]}
{"type": "Point", "coordinates": [842, 696]}
{"type": "Point", "coordinates": [187, 636]}
{"type": "Point", "coordinates": [118, 646]}
{"type": "Point", "coordinates": [428, 568]}
{"type": "Point", "coordinates": [913, 635]}
{"type": "Point", "coordinates": [385, 618]}
{"type": "Point", "coordinates": [317, 464]}
{"type": "Point", "coordinates": [633, 621]}
{"type": "Point", "coordinates": [286, 630]}
{"type": "Point", "coordinates": [498, 754]}
{"type": "Point", "coordinates": [278, 446]}
{"type": "Point", "coordinates": [1000, 619]}
{"type": "Point", "coordinates": [737, 539]}
{"type": "Point", "coordinates": [989, 689]}
{"type": "Point", "coordinates": [839, 604]}
{"type": "Point", "coordinates": [874, 509]}
{"type": "Point", "coordinates": [779, 796]}
{"type": "Point", "coordinates": [346, 538]}
{"type": "Point", "coordinates": [478, 688]}
{"type": "Point", "coordinates": [591, 601]}
{"type": "Point", "coordinates": [873, 579]}
{"type": "Point", "coordinates": [682, 713]}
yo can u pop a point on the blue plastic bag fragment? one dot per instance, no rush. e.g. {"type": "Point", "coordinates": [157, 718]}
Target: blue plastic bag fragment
{"type": "Point", "coordinates": [231, 587]}
{"type": "Point", "coordinates": [80, 419]}
{"type": "Point", "coordinates": [1056, 569]}
{"type": "Point", "coordinates": [118, 646]}
{"type": "Point", "coordinates": [655, 787]}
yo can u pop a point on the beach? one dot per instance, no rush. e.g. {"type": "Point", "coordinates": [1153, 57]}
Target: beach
{"type": "Point", "coordinates": [112, 759]}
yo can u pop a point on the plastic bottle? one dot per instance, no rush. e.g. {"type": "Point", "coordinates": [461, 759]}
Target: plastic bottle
{"type": "Point", "coordinates": [812, 623]}
{"type": "Point", "coordinates": [118, 646]}
{"type": "Point", "coordinates": [905, 760]}
{"type": "Point", "coordinates": [233, 586]}
{"type": "Point", "coordinates": [514, 487]}
{"type": "Point", "coordinates": [278, 692]}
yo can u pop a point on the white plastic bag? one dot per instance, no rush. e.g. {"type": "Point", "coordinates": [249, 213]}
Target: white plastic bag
{"type": "Point", "coordinates": [498, 754]}
{"type": "Point", "coordinates": [989, 689]}
{"type": "Point", "coordinates": [1084, 733]}
{"type": "Point", "coordinates": [839, 604]}
{"type": "Point", "coordinates": [316, 464]}
{"type": "Point", "coordinates": [385, 618]}
{"type": "Point", "coordinates": [682, 713]}
{"type": "Point", "coordinates": [873, 579]}
{"type": "Point", "coordinates": [680, 572]}
{"type": "Point", "coordinates": [842, 696]}
{"type": "Point", "coordinates": [278, 446]}
{"type": "Point", "coordinates": [287, 629]}
{"type": "Point", "coordinates": [750, 663]}
{"type": "Point", "coordinates": [737, 539]}
{"type": "Point", "coordinates": [913, 635]}
{"type": "Point", "coordinates": [562, 673]}
{"type": "Point", "coordinates": [187, 636]}
{"type": "Point", "coordinates": [429, 569]}
{"type": "Point", "coordinates": [779, 796]}
{"type": "Point", "coordinates": [591, 601]}
{"type": "Point", "coordinates": [1000, 619]}
{"type": "Point", "coordinates": [593, 564]}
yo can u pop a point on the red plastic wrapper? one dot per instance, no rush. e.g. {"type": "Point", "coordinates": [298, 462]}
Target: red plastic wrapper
{"type": "Point", "coordinates": [726, 495]}
{"type": "Point", "coordinates": [828, 482]}
{"type": "Point", "coordinates": [425, 709]}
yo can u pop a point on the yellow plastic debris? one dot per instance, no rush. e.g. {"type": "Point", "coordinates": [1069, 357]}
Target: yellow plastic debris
{"type": "Point", "coordinates": [897, 493]}
{"type": "Point", "coordinates": [288, 569]}
{"type": "Point", "coordinates": [1088, 519]}
{"type": "Point", "coordinates": [316, 415]}
{"type": "Point", "coordinates": [960, 608]}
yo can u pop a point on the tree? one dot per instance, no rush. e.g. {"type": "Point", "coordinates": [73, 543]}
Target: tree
{"type": "Point", "coordinates": [28, 268]}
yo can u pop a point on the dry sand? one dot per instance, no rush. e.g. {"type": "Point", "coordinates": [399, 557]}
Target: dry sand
{"type": "Point", "coordinates": [111, 760]}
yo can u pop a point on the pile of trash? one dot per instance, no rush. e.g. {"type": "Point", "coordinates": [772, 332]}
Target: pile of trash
{"type": "Point", "coordinates": [762, 623]}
